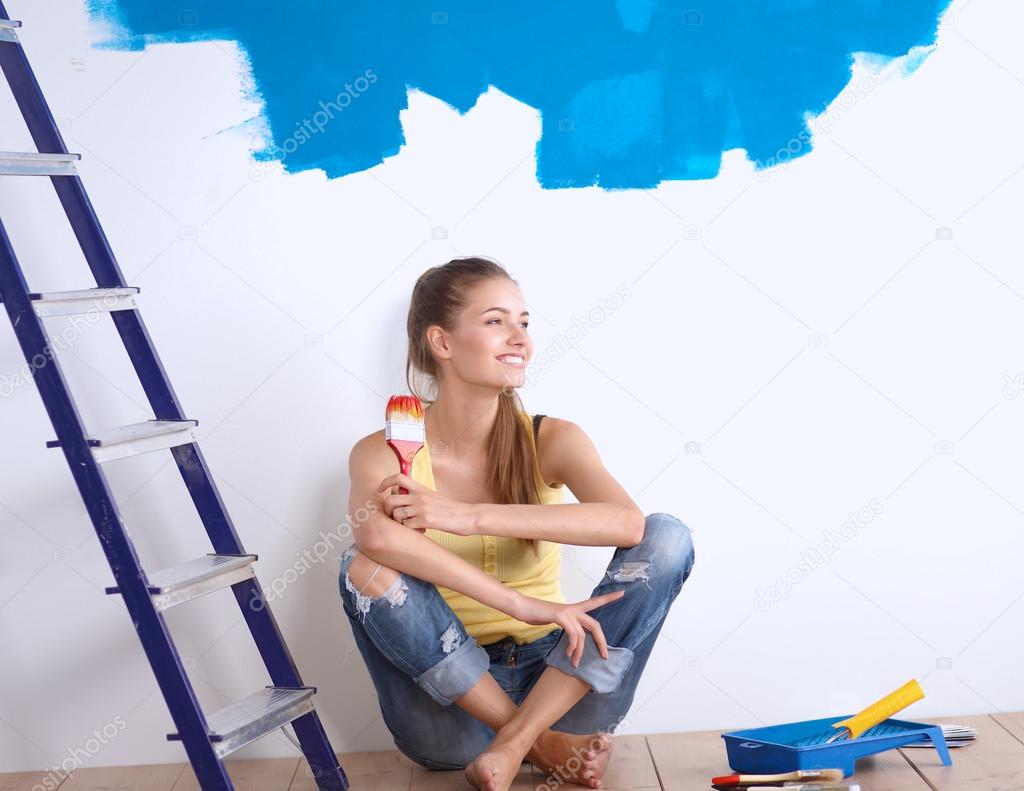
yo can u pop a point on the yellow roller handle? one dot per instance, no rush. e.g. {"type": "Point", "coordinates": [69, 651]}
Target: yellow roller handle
{"type": "Point", "coordinates": [881, 710]}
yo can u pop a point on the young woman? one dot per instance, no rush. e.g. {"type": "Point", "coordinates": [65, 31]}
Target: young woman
{"type": "Point", "coordinates": [452, 590]}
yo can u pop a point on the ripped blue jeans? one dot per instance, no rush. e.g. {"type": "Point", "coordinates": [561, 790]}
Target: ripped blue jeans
{"type": "Point", "coordinates": [421, 659]}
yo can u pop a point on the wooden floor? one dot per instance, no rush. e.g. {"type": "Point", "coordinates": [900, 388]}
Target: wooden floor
{"type": "Point", "coordinates": [668, 761]}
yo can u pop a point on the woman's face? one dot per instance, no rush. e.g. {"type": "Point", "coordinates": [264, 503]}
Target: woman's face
{"type": "Point", "coordinates": [490, 335]}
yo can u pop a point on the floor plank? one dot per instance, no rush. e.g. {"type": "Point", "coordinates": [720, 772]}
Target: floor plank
{"type": "Point", "coordinates": [153, 777]}
{"type": "Point", "coordinates": [1012, 722]}
{"type": "Point", "coordinates": [26, 781]}
{"type": "Point", "coordinates": [266, 774]}
{"type": "Point", "coordinates": [631, 766]}
{"type": "Point", "coordinates": [887, 771]}
{"type": "Point", "coordinates": [994, 760]}
{"type": "Point", "coordinates": [383, 770]}
{"type": "Point", "coordinates": [687, 761]}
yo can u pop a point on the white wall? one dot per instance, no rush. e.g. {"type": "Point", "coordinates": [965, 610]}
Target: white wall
{"type": "Point", "coordinates": [815, 351]}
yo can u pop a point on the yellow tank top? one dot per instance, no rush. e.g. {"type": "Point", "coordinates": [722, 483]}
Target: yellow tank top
{"type": "Point", "coordinates": [510, 560]}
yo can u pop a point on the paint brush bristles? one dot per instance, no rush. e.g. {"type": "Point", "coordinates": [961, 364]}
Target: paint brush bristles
{"type": "Point", "coordinates": [404, 419]}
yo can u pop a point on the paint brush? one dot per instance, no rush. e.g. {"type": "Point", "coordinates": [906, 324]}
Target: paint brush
{"type": "Point", "coordinates": [792, 786]}
{"type": "Point", "coordinates": [805, 775]}
{"type": "Point", "coordinates": [809, 787]}
{"type": "Point", "coordinates": [405, 432]}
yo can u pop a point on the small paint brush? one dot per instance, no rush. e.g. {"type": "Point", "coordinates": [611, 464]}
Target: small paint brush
{"type": "Point", "coordinates": [791, 786]}
{"type": "Point", "coordinates": [804, 775]}
{"type": "Point", "coordinates": [794, 787]}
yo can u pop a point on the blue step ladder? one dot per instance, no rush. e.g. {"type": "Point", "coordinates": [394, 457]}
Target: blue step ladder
{"type": "Point", "coordinates": [207, 739]}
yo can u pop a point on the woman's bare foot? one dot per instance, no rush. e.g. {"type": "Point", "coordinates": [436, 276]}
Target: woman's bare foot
{"type": "Point", "coordinates": [573, 758]}
{"type": "Point", "coordinates": [496, 767]}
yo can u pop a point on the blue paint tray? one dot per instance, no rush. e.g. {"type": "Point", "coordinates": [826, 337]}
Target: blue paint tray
{"type": "Point", "coordinates": [800, 745]}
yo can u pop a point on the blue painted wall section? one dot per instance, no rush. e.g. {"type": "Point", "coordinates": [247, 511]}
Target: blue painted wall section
{"type": "Point", "coordinates": [630, 92]}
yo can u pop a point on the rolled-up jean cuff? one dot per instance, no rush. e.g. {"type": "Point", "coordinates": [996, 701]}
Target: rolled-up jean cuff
{"type": "Point", "coordinates": [456, 674]}
{"type": "Point", "coordinates": [603, 675]}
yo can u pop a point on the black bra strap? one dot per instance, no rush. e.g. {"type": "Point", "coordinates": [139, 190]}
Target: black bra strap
{"type": "Point", "coordinates": [536, 427]}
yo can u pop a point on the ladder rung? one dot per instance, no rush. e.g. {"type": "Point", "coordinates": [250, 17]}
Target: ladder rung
{"type": "Point", "coordinates": [71, 303]}
{"type": "Point", "coordinates": [29, 163]}
{"type": "Point", "coordinates": [7, 28]}
{"type": "Point", "coordinates": [130, 440]}
{"type": "Point", "coordinates": [190, 580]}
{"type": "Point", "coordinates": [239, 724]}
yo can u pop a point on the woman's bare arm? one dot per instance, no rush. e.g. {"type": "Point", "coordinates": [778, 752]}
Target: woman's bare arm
{"type": "Point", "coordinates": [405, 550]}
{"type": "Point", "coordinates": [604, 516]}
{"type": "Point", "coordinates": [600, 524]}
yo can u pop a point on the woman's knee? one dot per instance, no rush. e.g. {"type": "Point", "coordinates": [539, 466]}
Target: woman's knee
{"type": "Point", "coordinates": [669, 544]}
{"type": "Point", "coordinates": [371, 578]}
{"type": "Point", "coordinates": [366, 581]}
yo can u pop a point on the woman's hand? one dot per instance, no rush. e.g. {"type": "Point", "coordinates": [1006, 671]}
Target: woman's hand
{"type": "Point", "coordinates": [572, 618]}
{"type": "Point", "coordinates": [423, 508]}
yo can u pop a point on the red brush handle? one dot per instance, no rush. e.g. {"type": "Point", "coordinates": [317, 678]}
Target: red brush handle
{"type": "Point", "coordinates": [405, 451]}
{"type": "Point", "coordinates": [406, 467]}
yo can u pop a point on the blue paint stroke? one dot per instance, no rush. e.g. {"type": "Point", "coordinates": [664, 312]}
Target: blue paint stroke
{"type": "Point", "coordinates": [630, 92]}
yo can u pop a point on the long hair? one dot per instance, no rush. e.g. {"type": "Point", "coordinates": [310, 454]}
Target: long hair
{"type": "Point", "coordinates": [440, 293]}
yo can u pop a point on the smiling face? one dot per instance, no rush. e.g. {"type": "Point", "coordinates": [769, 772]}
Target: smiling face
{"type": "Point", "coordinates": [490, 344]}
